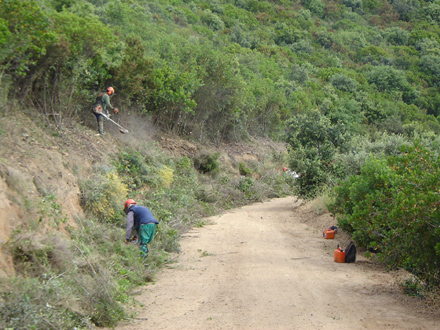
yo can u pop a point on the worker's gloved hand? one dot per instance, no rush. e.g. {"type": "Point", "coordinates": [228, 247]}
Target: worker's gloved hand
{"type": "Point", "coordinates": [116, 111]}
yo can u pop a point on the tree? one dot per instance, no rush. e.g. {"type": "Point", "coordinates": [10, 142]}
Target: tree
{"type": "Point", "coordinates": [24, 34]}
{"type": "Point", "coordinates": [397, 36]}
{"type": "Point", "coordinates": [387, 79]}
{"type": "Point", "coordinates": [356, 5]}
{"type": "Point", "coordinates": [313, 142]}
{"type": "Point", "coordinates": [432, 12]}
{"type": "Point", "coordinates": [343, 83]}
{"type": "Point", "coordinates": [241, 37]}
{"type": "Point", "coordinates": [315, 6]}
{"type": "Point", "coordinates": [135, 72]}
{"type": "Point", "coordinates": [407, 9]}
{"type": "Point", "coordinates": [431, 64]}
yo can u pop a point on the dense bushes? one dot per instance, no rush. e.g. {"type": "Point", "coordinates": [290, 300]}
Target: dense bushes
{"type": "Point", "coordinates": [222, 71]}
{"type": "Point", "coordinates": [314, 142]}
{"type": "Point", "coordinates": [391, 208]}
{"type": "Point", "coordinates": [24, 34]}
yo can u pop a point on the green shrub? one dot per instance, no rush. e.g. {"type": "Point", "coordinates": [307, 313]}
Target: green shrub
{"type": "Point", "coordinates": [314, 141]}
{"type": "Point", "coordinates": [137, 170]}
{"type": "Point", "coordinates": [406, 8]}
{"type": "Point", "coordinates": [360, 149]}
{"type": "Point", "coordinates": [24, 35]}
{"type": "Point", "coordinates": [207, 163]}
{"type": "Point", "coordinates": [68, 283]}
{"type": "Point", "coordinates": [166, 238]}
{"type": "Point", "coordinates": [387, 79]}
{"type": "Point", "coordinates": [343, 83]}
{"type": "Point", "coordinates": [244, 170]}
{"type": "Point", "coordinates": [315, 6]}
{"type": "Point", "coordinates": [245, 184]}
{"type": "Point", "coordinates": [397, 36]}
{"type": "Point", "coordinates": [413, 287]}
{"type": "Point", "coordinates": [102, 196]}
{"type": "Point", "coordinates": [212, 20]}
{"type": "Point", "coordinates": [166, 175]}
{"type": "Point", "coordinates": [33, 304]}
{"type": "Point", "coordinates": [391, 208]}
{"type": "Point", "coordinates": [183, 164]}
{"type": "Point", "coordinates": [34, 253]}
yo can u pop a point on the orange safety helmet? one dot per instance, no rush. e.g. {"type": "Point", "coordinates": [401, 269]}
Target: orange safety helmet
{"type": "Point", "coordinates": [128, 202]}
{"type": "Point", "coordinates": [110, 90]}
{"type": "Point", "coordinates": [285, 169]}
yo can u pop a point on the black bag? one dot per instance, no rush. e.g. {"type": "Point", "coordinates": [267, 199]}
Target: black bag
{"type": "Point", "coordinates": [350, 253]}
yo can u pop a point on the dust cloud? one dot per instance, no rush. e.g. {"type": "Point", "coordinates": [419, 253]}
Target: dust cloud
{"type": "Point", "coordinates": [139, 127]}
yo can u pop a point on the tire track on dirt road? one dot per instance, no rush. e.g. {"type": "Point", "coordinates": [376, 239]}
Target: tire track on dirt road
{"type": "Point", "coordinates": [262, 267]}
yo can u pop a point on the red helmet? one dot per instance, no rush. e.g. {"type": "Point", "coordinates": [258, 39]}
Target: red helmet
{"type": "Point", "coordinates": [128, 202]}
{"type": "Point", "coordinates": [110, 90]}
{"type": "Point", "coordinates": [284, 169]}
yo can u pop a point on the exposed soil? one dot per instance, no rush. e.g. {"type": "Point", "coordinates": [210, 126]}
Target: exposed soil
{"type": "Point", "coordinates": [267, 266]}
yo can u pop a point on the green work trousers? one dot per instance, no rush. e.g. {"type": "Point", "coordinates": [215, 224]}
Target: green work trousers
{"type": "Point", "coordinates": [146, 234]}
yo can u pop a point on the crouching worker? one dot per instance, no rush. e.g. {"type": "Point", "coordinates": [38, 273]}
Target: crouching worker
{"type": "Point", "coordinates": [142, 220]}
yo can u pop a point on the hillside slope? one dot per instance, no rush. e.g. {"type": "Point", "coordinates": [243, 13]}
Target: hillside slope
{"type": "Point", "coordinates": [41, 166]}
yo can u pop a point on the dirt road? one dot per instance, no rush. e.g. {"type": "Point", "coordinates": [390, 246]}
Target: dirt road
{"type": "Point", "coordinates": [267, 266]}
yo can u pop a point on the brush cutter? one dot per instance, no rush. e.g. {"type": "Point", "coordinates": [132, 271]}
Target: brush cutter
{"type": "Point", "coordinates": [121, 129]}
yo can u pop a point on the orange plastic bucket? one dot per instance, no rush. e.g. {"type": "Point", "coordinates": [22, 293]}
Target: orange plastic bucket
{"type": "Point", "coordinates": [339, 255]}
{"type": "Point", "coordinates": [328, 234]}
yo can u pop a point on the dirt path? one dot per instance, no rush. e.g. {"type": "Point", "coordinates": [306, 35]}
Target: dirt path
{"type": "Point", "coordinates": [262, 267]}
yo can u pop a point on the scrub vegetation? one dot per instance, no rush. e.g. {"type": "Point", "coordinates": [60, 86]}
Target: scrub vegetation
{"type": "Point", "coordinates": [78, 273]}
{"type": "Point", "coordinates": [351, 86]}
